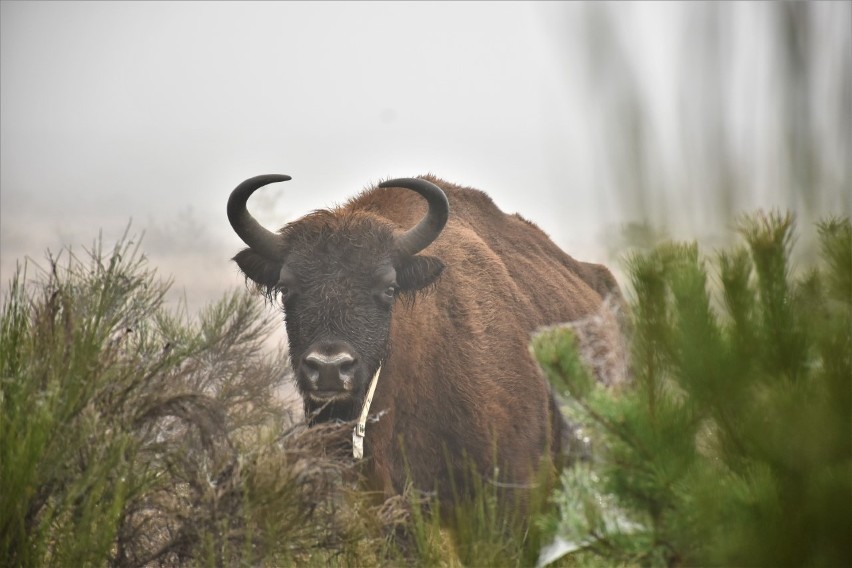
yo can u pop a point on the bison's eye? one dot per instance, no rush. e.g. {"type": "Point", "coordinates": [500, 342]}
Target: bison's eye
{"type": "Point", "coordinates": [387, 295]}
{"type": "Point", "coordinates": [287, 285]}
{"type": "Point", "coordinates": [284, 292]}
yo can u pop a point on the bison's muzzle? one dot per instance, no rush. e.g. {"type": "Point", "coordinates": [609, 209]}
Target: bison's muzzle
{"type": "Point", "coordinates": [330, 371]}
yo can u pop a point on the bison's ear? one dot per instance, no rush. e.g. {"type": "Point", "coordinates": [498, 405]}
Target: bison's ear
{"type": "Point", "coordinates": [258, 269]}
{"type": "Point", "coordinates": [418, 272]}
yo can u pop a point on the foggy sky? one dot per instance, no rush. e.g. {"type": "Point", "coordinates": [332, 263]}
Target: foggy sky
{"type": "Point", "coordinates": [154, 111]}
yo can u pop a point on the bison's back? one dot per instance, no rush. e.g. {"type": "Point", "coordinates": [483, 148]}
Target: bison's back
{"type": "Point", "coordinates": [550, 285]}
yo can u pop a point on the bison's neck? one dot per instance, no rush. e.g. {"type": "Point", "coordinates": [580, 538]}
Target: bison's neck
{"type": "Point", "coordinates": [343, 411]}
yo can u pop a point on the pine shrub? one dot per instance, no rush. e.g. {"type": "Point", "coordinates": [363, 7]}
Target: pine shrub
{"type": "Point", "coordinates": [732, 445]}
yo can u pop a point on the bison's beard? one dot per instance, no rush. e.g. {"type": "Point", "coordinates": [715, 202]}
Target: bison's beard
{"type": "Point", "coordinates": [336, 410]}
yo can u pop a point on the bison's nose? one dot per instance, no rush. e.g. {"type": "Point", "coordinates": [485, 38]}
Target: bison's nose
{"type": "Point", "coordinates": [329, 372]}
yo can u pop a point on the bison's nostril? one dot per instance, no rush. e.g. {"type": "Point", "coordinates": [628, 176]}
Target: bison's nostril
{"type": "Point", "coordinates": [310, 371]}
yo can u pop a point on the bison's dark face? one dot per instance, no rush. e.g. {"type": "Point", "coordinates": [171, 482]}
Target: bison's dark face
{"type": "Point", "coordinates": [338, 276]}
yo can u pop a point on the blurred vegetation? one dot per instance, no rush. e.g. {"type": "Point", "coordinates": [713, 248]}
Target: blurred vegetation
{"type": "Point", "coordinates": [733, 446]}
{"type": "Point", "coordinates": [716, 108]}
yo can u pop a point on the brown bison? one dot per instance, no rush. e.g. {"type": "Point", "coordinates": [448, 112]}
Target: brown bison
{"type": "Point", "coordinates": [441, 336]}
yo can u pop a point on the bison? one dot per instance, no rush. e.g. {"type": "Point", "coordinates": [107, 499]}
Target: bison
{"type": "Point", "coordinates": [427, 293]}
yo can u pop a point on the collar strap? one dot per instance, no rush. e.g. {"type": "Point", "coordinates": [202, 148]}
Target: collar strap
{"type": "Point", "coordinates": [361, 427]}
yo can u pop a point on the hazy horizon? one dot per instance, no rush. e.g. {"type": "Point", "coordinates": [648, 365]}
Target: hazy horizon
{"type": "Point", "coordinates": [578, 116]}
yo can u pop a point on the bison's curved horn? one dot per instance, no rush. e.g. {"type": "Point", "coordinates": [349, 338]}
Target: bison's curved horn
{"type": "Point", "coordinates": [261, 240]}
{"type": "Point", "coordinates": [430, 226]}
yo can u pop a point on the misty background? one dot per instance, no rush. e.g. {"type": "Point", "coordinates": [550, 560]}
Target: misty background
{"type": "Point", "coordinates": [592, 120]}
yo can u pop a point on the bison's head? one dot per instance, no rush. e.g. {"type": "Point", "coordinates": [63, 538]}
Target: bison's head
{"type": "Point", "coordinates": [338, 275]}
